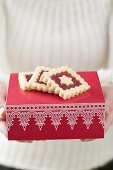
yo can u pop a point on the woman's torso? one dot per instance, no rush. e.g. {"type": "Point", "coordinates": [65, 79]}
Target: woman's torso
{"type": "Point", "coordinates": [54, 33]}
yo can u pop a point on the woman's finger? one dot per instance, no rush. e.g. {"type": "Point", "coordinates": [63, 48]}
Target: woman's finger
{"type": "Point", "coordinates": [2, 114]}
{"type": "Point", "coordinates": [25, 141]}
{"type": "Point", "coordinates": [87, 140]}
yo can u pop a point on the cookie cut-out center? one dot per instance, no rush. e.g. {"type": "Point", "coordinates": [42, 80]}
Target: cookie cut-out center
{"type": "Point", "coordinates": [28, 77]}
{"type": "Point", "coordinates": [65, 80]}
{"type": "Point", "coordinates": [38, 79]}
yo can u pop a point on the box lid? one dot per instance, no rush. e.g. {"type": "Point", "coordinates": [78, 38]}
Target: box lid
{"type": "Point", "coordinates": [16, 96]}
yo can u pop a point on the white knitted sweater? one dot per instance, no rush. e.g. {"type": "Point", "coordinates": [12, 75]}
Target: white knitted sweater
{"type": "Point", "coordinates": [55, 33]}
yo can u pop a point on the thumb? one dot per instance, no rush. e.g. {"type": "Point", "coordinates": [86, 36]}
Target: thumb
{"type": "Point", "coordinates": [2, 114]}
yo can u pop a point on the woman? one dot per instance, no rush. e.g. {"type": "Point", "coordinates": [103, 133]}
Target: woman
{"type": "Point", "coordinates": [55, 33]}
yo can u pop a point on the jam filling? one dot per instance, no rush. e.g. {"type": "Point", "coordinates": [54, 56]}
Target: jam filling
{"type": "Point", "coordinates": [56, 78]}
{"type": "Point", "coordinates": [28, 77]}
{"type": "Point", "coordinates": [37, 80]}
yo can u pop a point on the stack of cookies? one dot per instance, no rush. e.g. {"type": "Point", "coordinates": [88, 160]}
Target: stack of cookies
{"type": "Point", "coordinates": [62, 81]}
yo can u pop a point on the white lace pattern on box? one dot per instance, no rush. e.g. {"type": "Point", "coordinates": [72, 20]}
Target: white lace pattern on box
{"type": "Point", "coordinates": [55, 112]}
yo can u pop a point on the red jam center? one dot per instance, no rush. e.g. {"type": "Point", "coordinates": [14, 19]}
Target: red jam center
{"type": "Point", "coordinates": [37, 80]}
{"type": "Point", "coordinates": [56, 78]}
{"type": "Point", "coordinates": [28, 77]}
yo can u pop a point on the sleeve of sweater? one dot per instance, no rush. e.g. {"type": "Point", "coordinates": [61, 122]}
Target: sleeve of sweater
{"type": "Point", "coordinates": [110, 63]}
{"type": "Point", "coordinates": [4, 69]}
{"type": "Point", "coordinates": [3, 55]}
{"type": "Point", "coordinates": [106, 76]}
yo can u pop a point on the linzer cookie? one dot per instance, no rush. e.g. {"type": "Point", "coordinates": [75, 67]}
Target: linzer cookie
{"type": "Point", "coordinates": [24, 79]}
{"type": "Point", "coordinates": [65, 82]}
{"type": "Point", "coordinates": [36, 83]}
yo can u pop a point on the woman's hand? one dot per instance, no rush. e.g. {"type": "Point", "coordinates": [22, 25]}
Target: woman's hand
{"type": "Point", "coordinates": [108, 94]}
{"type": "Point", "coordinates": [3, 128]}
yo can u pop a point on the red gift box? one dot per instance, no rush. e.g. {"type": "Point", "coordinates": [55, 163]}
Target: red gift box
{"type": "Point", "coordinates": [33, 115]}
